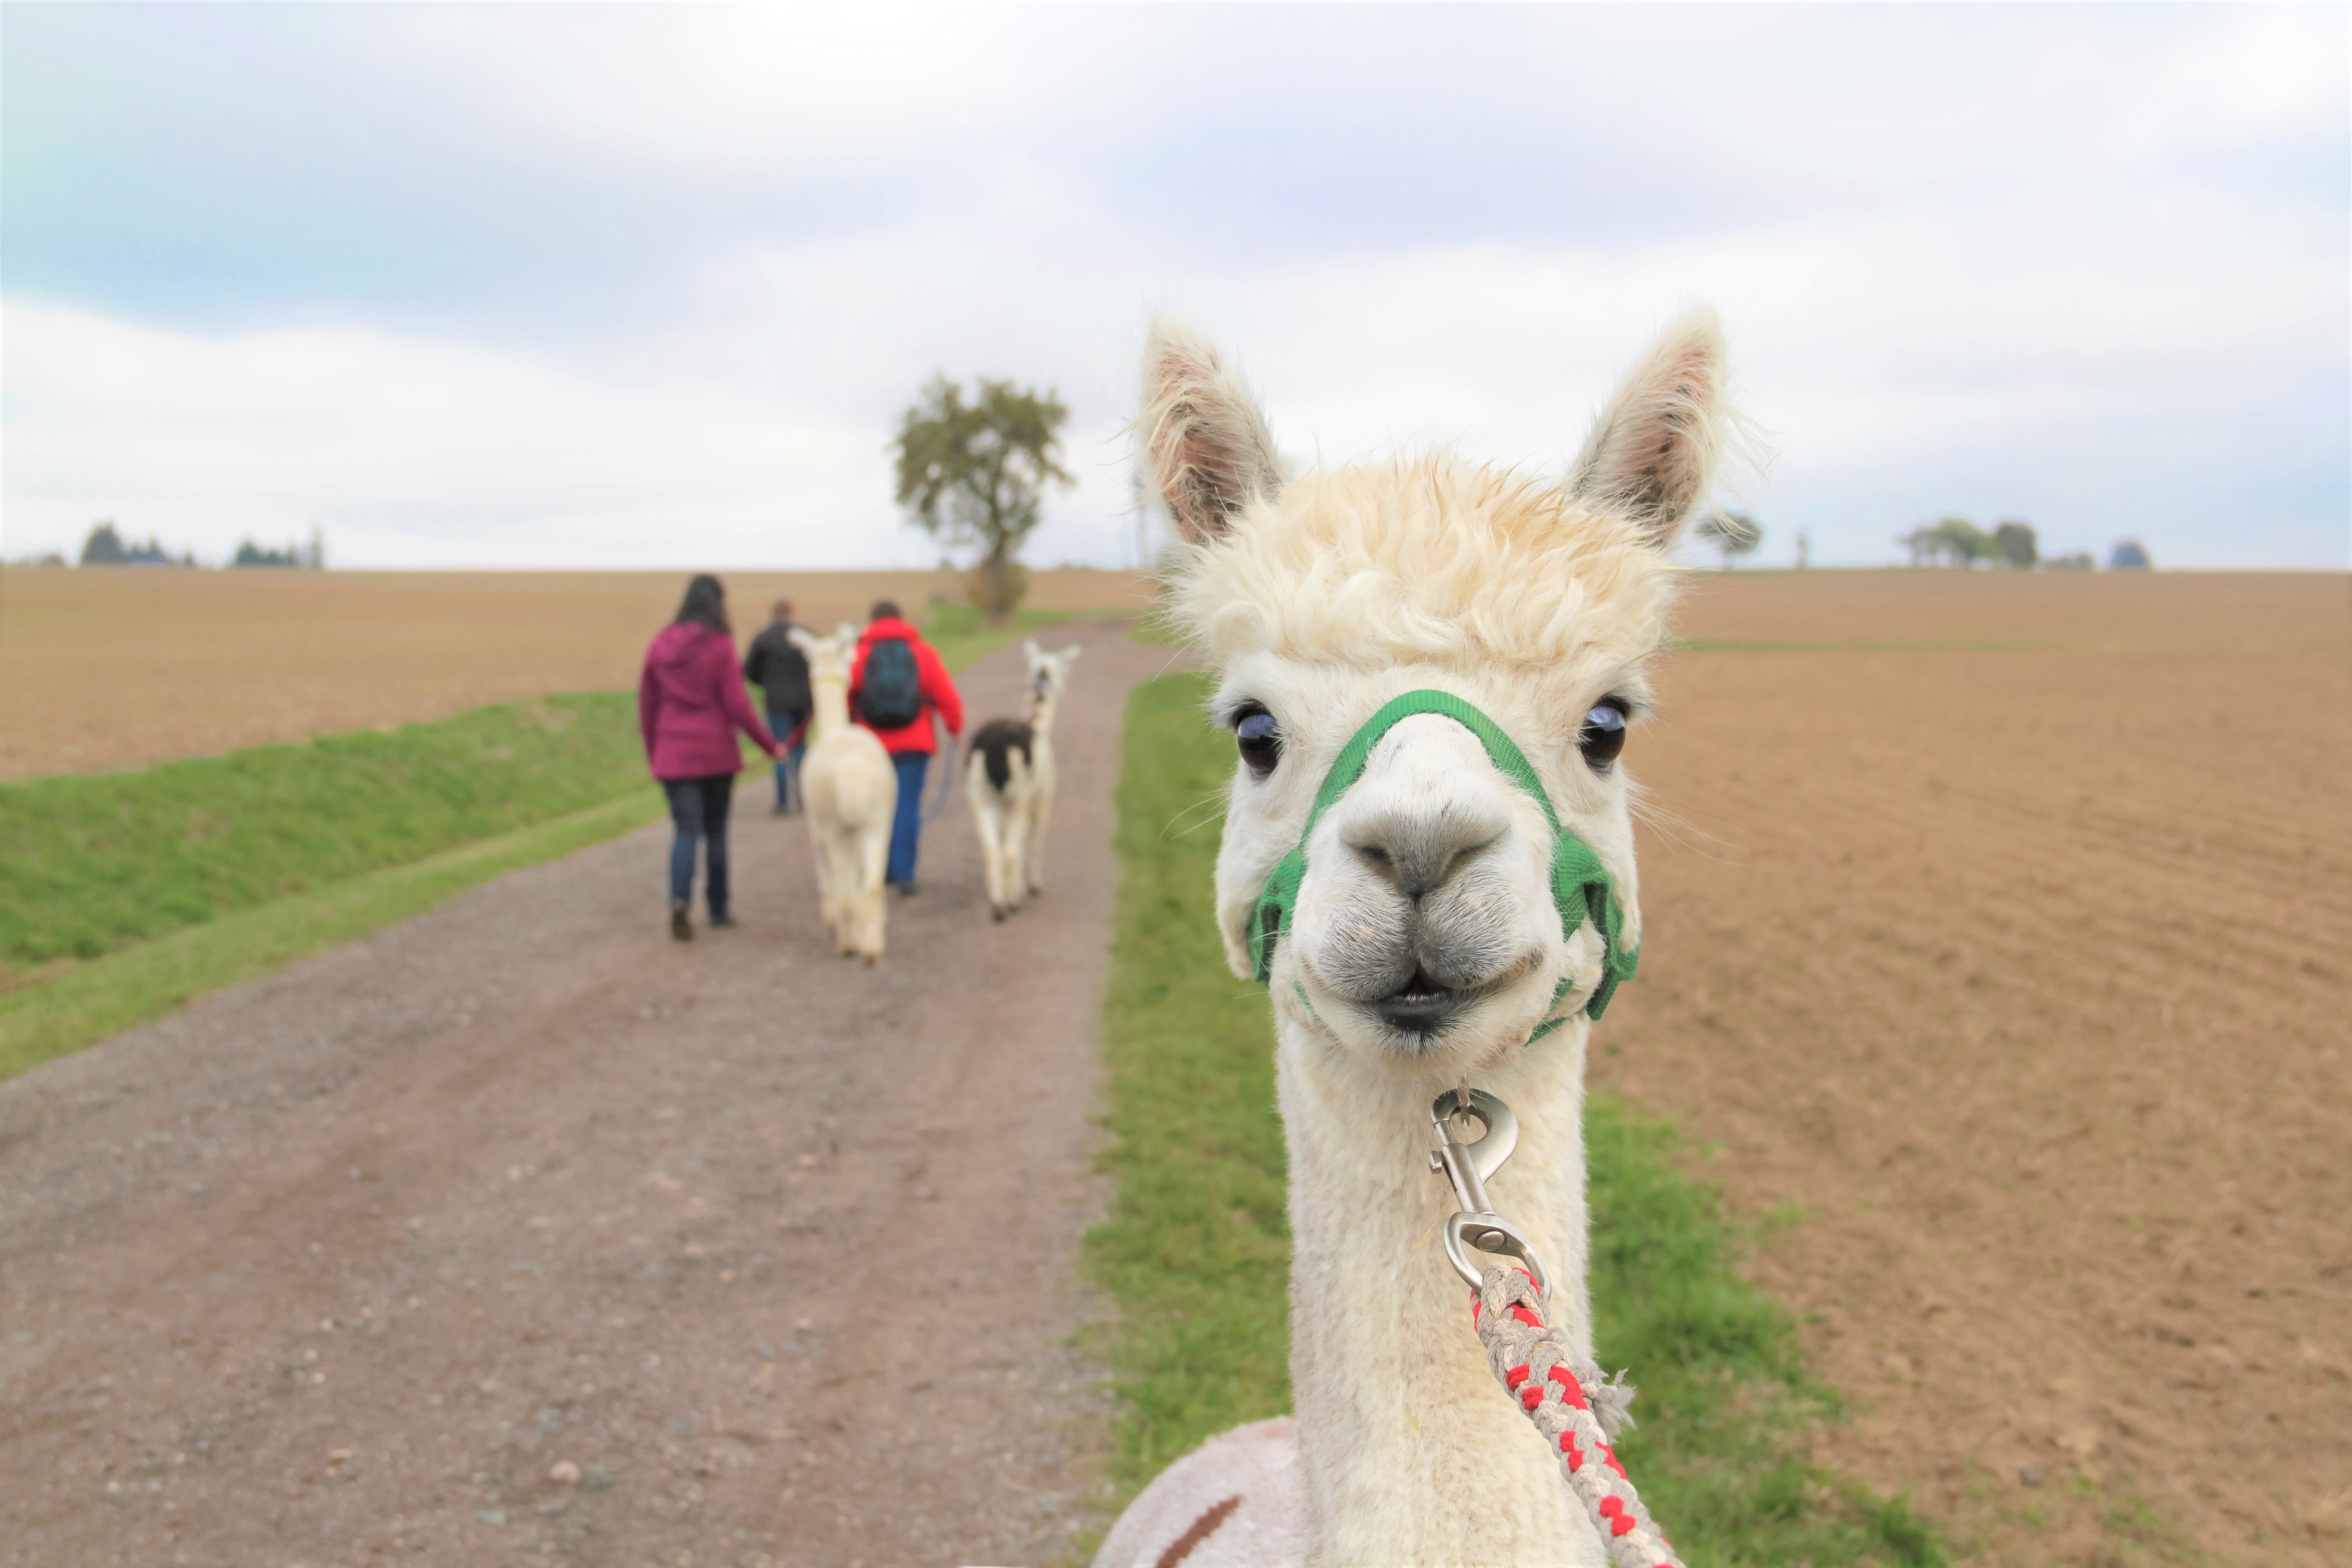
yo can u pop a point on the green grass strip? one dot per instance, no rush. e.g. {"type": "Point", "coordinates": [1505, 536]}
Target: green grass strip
{"type": "Point", "coordinates": [1194, 1251]}
{"type": "Point", "coordinates": [90, 865]}
{"type": "Point", "coordinates": [95, 1000]}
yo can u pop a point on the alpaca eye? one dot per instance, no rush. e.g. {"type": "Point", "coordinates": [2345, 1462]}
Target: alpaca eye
{"type": "Point", "coordinates": [1260, 740]}
{"type": "Point", "coordinates": [1604, 734]}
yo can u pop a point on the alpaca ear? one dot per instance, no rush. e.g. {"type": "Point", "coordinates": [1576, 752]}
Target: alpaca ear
{"type": "Point", "coordinates": [1206, 445]}
{"type": "Point", "coordinates": [1654, 450]}
{"type": "Point", "coordinates": [1029, 647]}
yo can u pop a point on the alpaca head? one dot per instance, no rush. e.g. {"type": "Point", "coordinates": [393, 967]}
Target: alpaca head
{"type": "Point", "coordinates": [828, 657]}
{"type": "Point", "coordinates": [1049, 673]}
{"type": "Point", "coordinates": [1424, 938]}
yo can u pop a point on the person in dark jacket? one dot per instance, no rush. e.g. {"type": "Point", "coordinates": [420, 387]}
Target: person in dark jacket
{"type": "Point", "coordinates": [690, 702]}
{"type": "Point", "coordinates": [780, 671]}
{"type": "Point", "coordinates": [908, 739]}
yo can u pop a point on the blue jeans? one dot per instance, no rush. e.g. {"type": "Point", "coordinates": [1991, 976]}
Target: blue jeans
{"type": "Point", "coordinates": [908, 825]}
{"type": "Point", "coordinates": [698, 810]}
{"type": "Point", "coordinates": [788, 766]}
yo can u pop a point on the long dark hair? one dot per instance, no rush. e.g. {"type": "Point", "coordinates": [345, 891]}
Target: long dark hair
{"type": "Point", "coordinates": [705, 604]}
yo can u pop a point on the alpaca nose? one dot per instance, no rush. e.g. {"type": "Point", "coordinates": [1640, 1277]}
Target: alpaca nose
{"type": "Point", "coordinates": [1419, 852]}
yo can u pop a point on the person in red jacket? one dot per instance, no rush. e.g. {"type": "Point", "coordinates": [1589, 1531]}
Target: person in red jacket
{"type": "Point", "coordinates": [895, 683]}
{"type": "Point", "coordinates": [690, 702]}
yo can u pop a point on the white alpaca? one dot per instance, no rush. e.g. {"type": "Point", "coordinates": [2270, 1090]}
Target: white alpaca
{"type": "Point", "coordinates": [1009, 782]}
{"type": "Point", "coordinates": [851, 794]}
{"type": "Point", "coordinates": [1425, 946]}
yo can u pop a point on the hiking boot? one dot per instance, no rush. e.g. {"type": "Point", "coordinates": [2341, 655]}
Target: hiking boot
{"type": "Point", "coordinates": [681, 928]}
{"type": "Point", "coordinates": [723, 922]}
{"type": "Point", "coordinates": [907, 890]}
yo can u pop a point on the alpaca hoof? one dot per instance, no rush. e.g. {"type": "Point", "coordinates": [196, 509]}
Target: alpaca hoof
{"type": "Point", "coordinates": [997, 914]}
{"type": "Point", "coordinates": [873, 961]}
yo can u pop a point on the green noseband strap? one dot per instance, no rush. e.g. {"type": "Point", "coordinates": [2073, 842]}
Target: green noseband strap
{"type": "Point", "coordinates": [1579, 884]}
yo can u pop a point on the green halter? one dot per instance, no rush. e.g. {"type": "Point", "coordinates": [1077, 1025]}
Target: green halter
{"type": "Point", "coordinates": [1579, 883]}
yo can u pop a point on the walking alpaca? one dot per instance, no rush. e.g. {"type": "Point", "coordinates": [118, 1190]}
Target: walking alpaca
{"type": "Point", "coordinates": [1009, 782]}
{"type": "Point", "coordinates": [850, 792]}
{"type": "Point", "coordinates": [1425, 946]}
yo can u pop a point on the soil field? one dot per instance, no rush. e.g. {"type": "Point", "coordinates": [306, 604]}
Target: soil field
{"type": "Point", "coordinates": [118, 668]}
{"type": "Point", "coordinates": [1997, 938]}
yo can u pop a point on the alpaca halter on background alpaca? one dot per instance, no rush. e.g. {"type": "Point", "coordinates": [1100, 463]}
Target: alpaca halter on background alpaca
{"type": "Point", "coordinates": [1579, 883]}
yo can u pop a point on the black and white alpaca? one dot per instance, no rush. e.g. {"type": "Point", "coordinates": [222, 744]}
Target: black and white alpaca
{"type": "Point", "coordinates": [1009, 781]}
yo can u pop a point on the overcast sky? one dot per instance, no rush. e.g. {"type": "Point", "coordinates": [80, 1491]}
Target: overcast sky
{"type": "Point", "coordinates": [546, 286]}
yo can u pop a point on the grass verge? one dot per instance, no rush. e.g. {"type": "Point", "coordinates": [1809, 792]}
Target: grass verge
{"type": "Point", "coordinates": [95, 1000]}
{"type": "Point", "coordinates": [1195, 1250]}
{"type": "Point", "coordinates": [90, 865]}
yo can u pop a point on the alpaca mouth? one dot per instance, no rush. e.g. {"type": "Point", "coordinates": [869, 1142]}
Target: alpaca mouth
{"type": "Point", "coordinates": [1422, 1005]}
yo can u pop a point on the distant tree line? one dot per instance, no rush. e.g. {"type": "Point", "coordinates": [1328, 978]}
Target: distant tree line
{"type": "Point", "coordinates": [1957, 541]}
{"type": "Point", "coordinates": [107, 547]}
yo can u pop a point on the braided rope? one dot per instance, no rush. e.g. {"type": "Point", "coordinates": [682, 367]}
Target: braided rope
{"type": "Point", "coordinates": [1574, 1407]}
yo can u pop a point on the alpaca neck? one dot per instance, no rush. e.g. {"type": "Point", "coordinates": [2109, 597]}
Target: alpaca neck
{"type": "Point", "coordinates": [1409, 1450]}
{"type": "Point", "coordinates": [832, 693]}
{"type": "Point", "coordinates": [1041, 712]}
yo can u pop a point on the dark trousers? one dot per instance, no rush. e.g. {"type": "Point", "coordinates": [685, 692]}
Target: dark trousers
{"type": "Point", "coordinates": [697, 809]}
{"type": "Point", "coordinates": [908, 827]}
{"type": "Point", "coordinates": [788, 766]}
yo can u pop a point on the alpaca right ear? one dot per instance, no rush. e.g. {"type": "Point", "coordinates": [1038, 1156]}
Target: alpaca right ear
{"type": "Point", "coordinates": [1207, 447]}
{"type": "Point", "coordinates": [1653, 451]}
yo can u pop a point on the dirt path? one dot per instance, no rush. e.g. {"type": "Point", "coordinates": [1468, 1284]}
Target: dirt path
{"type": "Point", "coordinates": [334, 1268]}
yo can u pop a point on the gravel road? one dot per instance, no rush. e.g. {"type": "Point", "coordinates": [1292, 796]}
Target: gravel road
{"type": "Point", "coordinates": [360, 1263]}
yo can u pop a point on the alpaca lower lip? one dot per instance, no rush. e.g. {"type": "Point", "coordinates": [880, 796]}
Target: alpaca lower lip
{"type": "Point", "coordinates": [1423, 1006]}
{"type": "Point", "coordinates": [1419, 1015]}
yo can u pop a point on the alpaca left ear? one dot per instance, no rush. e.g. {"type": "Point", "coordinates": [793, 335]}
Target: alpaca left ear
{"type": "Point", "coordinates": [1653, 452]}
{"type": "Point", "coordinates": [1207, 447]}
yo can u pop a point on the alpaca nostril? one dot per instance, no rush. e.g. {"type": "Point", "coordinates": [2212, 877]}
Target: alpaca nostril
{"type": "Point", "coordinates": [1418, 858]}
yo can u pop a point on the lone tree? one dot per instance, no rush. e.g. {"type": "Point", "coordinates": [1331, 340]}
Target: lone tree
{"type": "Point", "coordinates": [1735, 533]}
{"type": "Point", "coordinates": [103, 547]}
{"type": "Point", "coordinates": [2013, 539]}
{"type": "Point", "coordinates": [1953, 538]}
{"type": "Point", "coordinates": [972, 473]}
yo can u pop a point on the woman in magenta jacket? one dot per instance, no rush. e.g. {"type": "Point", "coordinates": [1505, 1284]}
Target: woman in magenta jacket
{"type": "Point", "coordinates": [690, 702]}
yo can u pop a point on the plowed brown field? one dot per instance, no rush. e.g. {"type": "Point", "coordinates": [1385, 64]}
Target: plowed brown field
{"type": "Point", "coordinates": [1998, 930]}
{"type": "Point", "coordinates": [122, 667]}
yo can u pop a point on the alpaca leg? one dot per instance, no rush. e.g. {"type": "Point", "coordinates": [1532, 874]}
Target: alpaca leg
{"type": "Point", "coordinates": [1041, 811]}
{"type": "Point", "coordinates": [1016, 854]}
{"type": "Point", "coordinates": [820, 862]}
{"type": "Point", "coordinates": [841, 872]}
{"type": "Point", "coordinates": [991, 850]}
{"type": "Point", "coordinates": [876, 860]}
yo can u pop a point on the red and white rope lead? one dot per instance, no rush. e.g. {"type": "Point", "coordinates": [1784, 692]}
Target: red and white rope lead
{"type": "Point", "coordinates": [1532, 1360]}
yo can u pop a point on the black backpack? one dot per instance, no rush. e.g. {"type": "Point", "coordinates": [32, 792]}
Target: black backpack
{"type": "Point", "coordinates": [890, 697]}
